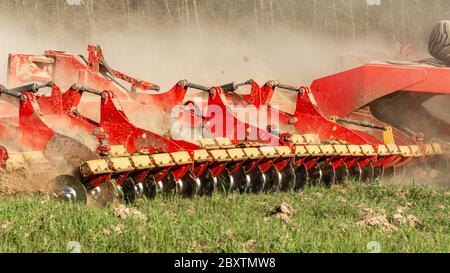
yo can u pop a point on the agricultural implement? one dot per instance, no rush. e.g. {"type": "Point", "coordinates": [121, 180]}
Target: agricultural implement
{"type": "Point", "coordinates": [366, 123]}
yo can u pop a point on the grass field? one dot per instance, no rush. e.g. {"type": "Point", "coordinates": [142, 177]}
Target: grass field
{"type": "Point", "coordinates": [348, 218]}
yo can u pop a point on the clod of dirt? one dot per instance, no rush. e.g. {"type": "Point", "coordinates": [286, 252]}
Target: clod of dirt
{"type": "Point", "coordinates": [399, 218]}
{"type": "Point", "coordinates": [283, 211]}
{"type": "Point", "coordinates": [401, 194]}
{"type": "Point", "coordinates": [413, 220]}
{"type": "Point", "coordinates": [317, 195]}
{"type": "Point", "coordinates": [250, 244]}
{"type": "Point", "coordinates": [378, 221]}
{"type": "Point", "coordinates": [192, 210]}
{"type": "Point", "coordinates": [106, 232]}
{"type": "Point", "coordinates": [368, 211]}
{"type": "Point", "coordinates": [6, 191]}
{"type": "Point", "coordinates": [229, 234]}
{"type": "Point", "coordinates": [118, 229]}
{"type": "Point", "coordinates": [5, 225]}
{"type": "Point", "coordinates": [124, 212]}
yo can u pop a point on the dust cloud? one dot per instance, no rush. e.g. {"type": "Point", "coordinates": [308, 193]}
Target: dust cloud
{"type": "Point", "coordinates": [165, 56]}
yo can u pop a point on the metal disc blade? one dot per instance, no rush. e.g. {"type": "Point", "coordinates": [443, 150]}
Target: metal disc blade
{"type": "Point", "coordinates": [274, 180]}
{"type": "Point", "coordinates": [69, 188]}
{"type": "Point", "coordinates": [342, 174]}
{"type": "Point", "coordinates": [225, 182]}
{"type": "Point", "coordinates": [207, 183]}
{"type": "Point", "coordinates": [191, 185]}
{"type": "Point", "coordinates": [169, 184]}
{"type": "Point", "coordinates": [150, 187]}
{"type": "Point", "coordinates": [106, 193]}
{"type": "Point", "coordinates": [288, 178]}
{"type": "Point", "coordinates": [129, 190]}
{"type": "Point", "coordinates": [315, 175]}
{"type": "Point", "coordinates": [61, 148]}
{"type": "Point", "coordinates": [389, 172]}
{"type": "Point", "coordinates": [378, 173]}
{"type": "Point", "coordinates": [328, 175]}
{"type": "Point", "coordinates": [368, 174]}
{"type": "Point", "coordinates": [241, 181]}
{"type": "Point", "coordinates": [301, 178]}
{"type": "Point", "coordinates": [355, 172]}
{"type": "Point", "coordinates": [257, 180]}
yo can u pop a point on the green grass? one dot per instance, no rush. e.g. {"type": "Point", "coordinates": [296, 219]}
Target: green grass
{"type": "Point", "coordinates": [324, 220]}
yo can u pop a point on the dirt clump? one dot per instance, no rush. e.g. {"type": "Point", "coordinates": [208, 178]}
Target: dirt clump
{"type": "Point", "coordinates": [124, 212]}
{"type": "Point", "coordinates": [284, 211]}
{"type": "Point", "coordinates": [378, 221]}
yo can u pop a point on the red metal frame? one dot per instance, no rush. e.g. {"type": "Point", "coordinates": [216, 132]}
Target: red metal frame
{"type": "Point", "coordinates": [344, 93]}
